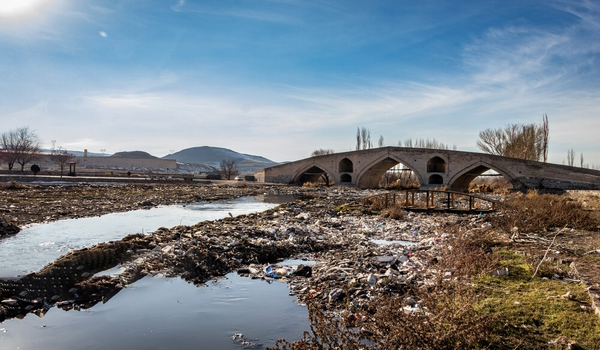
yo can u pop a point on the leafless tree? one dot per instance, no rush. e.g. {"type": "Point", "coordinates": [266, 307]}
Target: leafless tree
{"type": "Point", "coordinates": [545, 132]}
{"type": "Point", "coordinates": [524, 141]}
{"type": "Point", "coordinates": [363, 139]}
{"type": "Point", "coordinates": [228, 168]}
{"type": "Point", "coordinates": [321, 152]}
{"type": "Point", "coordinates": [61, 157]}
{"type": "Point", "coordinates": [581, 160]}
{"type": "Point", "coordinates": [425, 143]}
{"type": "Point", "coordinates": [363, 135]}
{"type": "Point", "coordinates": [8, 152]}
{"type": "Point", "coordinates": [571, 157]}
{"type": "Point", "coordinates": [19, 146]}
{"type": "Point", "coordinates": [380, 142]}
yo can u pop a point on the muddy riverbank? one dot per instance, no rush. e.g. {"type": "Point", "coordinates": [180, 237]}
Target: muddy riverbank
{"type": "Point", "coordinates": [24, 204]}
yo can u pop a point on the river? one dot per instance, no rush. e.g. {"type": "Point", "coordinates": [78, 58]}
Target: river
{"type": "Point", "coordinates": [154, 312]}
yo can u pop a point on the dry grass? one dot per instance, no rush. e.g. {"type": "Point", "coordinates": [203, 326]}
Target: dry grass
{"type": "Point", "coordinates": [393, 212]}
{"type": "Point", "coordinates": [313, 184]}
{"type": "Point", "coordinates": [498, 185]}
{"type": "Point", "coordinates": [449, 316]}
{"type": "Point", "coordinates": [536, 212]}
{"type": "Point", "coordinates": [13, 185]}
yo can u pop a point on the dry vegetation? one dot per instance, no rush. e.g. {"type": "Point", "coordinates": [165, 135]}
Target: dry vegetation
{"type": "Point", "coordinates": [536, 212]}
{"type": "Point", "coordinates": [491, 184]}
{"type": "Point", "coordinates": [449, 316]}
{"type": "Point", "coordinates": [480, 308]}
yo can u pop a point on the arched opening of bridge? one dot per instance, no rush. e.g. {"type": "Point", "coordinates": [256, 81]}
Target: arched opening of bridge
{"type": "Point", "coordinates": [482, 179]}
{"type": "Point", "coordinates": [436, 180]}
{"type": "Point", "coordinates": [345, 178]}
{"type": "Point", "coordinates": [346, 166]}
{"type": "Point", "coordinates": [389, 173]}
{"type": "Point", "coordinates": [436, 165]}
{"type": "Point", "coordinates": [316, 176]}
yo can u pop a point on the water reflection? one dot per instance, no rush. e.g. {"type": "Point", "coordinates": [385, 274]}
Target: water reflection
{"type": "Point", "coordinates": [159, 313]}
{"type": "Point", "coordinates": [38, 245]}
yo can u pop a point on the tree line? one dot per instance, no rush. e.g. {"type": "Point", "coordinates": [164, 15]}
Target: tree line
{"type": "Point", "coordinates": [523, 141]}
{"type": "Point", "coordinates": [22, 146]}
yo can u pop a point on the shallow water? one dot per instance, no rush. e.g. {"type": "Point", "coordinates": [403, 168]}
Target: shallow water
{"type": "Point", "coordinates": [160, 313]}
{"type": "Point", "coordinates": [386, 242]}
{"type": "Point", "coordinates": [36, 246]}
{"type": "Point", "coordinates": [154, 312]}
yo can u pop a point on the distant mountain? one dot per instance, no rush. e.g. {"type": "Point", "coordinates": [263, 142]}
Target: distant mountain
{"type": "Point", "coordinates": [133, 154]}
{"type": "Point", "coordinates": [212, 156]}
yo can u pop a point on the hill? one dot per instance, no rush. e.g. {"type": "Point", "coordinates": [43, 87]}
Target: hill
{"type": "Point", "coordinates": [212, 156]}
{"type": "Point", "coordinates": [133, 154]}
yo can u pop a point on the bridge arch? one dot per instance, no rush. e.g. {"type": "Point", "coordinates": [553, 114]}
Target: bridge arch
{"type": "Point", "coordinates": [370, 175]}
{"type": "Point", "coordinates": [436, 165]}
{"type": "Point", "coordinates": [436, 179]}
{"type": "Point", "coordinates": [462, 179]}
{"type": "Point", "coordinates": [346, 178]}
{"type": "Point", "coordinates": [312, 173]}
{"type": "Point", "coordinates": [346, 166]}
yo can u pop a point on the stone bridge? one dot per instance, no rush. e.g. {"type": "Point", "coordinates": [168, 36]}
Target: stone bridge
{"type": "Point", "coordinates": [434, 168]}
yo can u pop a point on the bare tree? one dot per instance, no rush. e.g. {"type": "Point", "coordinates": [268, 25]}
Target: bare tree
{"type": "Point", "coordinates": [228, 168]}
{"type": "Point", "coordinates": [19, 146]}
{"type": "Point", "coordinates": [570, 157]}
{"type": "Point", "coordinates": [363, 135]}
{"type": "Point", "coordinates": [321, 152]}
{"type": "Point", "coordinates": [425, 143]}
{"type": "Point", "coordinates": [380, 142]}
{"type": "Point", "coordinates": [363, 139]}
{"type": "Point", "coordinates": [524, 141]}
{"type": "Point", "coordinates": [61, 157]}
{"type": "Point", "coordinates": [581, 160]}
{"type": "Point", "coordinates": [8, 152]}
{"type": "Point", "coordinates": [545, 133]}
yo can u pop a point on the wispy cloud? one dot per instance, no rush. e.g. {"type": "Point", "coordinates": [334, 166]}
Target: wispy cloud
{"type": "Point", "coordinates": [240, 13]}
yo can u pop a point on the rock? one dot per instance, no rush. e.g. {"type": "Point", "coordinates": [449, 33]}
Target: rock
{"type": "Point", "coordinates": [303, 271]}
{"type": "Point", "coordinates": [386, 259]}
{"type": "Point", "coordinates": [7, 229]}
{"type": "Point", "coordinates": [371, 279]}
{"type": "Point", "coordinates": [410, 302]}
{"type": "Point", "coordinates": [502, 272]}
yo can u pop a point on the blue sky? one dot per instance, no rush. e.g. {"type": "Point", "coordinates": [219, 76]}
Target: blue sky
{"type": "Point", "coordinates": [280, 78]}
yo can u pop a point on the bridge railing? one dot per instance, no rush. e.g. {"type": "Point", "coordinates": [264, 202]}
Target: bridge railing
{"type": "Point", "coordinates": [433, 200]}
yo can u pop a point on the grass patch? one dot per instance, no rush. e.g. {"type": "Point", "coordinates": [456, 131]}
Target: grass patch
{"type": "Point", "coordinates": [534, 312]}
